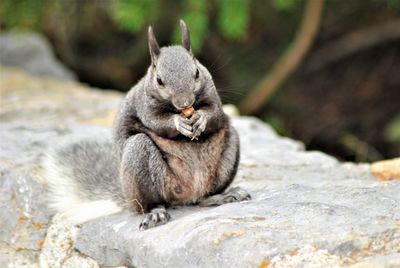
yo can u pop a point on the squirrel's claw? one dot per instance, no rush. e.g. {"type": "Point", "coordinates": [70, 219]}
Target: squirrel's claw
{"type": "Point", "coordinates": [183, 126]}
{"type": "Point", "coordinates": [199, 125]}
{"type": "Point", "coordinates": [156, 217]}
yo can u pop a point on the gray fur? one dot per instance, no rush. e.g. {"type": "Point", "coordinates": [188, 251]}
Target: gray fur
{"type": "Point", "coordinates": [159, 156]}
{"type": "Point", "coordinates": [141, 172]}
{"type": "Point", "coordinates": [154, 48]}
{"type": "Point", "coordinates": [93, 165]}
{"type": "Point", "coordinates": [185, 36]}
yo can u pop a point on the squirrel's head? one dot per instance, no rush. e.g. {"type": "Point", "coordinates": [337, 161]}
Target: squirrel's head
{"type": "Point", "coordinates": [175, 75]}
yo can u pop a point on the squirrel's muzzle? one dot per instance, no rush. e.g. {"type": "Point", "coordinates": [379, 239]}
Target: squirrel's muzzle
{"type": "Point", "coordinates": [183, 101]}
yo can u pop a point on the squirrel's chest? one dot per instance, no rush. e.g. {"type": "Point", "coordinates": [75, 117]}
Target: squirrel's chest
{"type": "Point", "coordinates": [192, 166]}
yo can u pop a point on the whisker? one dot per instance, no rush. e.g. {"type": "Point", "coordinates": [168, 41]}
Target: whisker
{"type": "Point", "coordinates": [225, 63]}
{"type": "Point", "coordinates": [214, 62]}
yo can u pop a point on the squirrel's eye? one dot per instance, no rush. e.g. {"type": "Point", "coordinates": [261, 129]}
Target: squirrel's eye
{"type": "Point", "coordinates": [197, 74]}
{"type": "Point", "coordinates": [159, 81]}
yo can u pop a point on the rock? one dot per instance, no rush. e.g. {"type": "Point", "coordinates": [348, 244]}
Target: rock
{"type": "Point", "coordinates": [58, 248]}
{"type": "Point", "coordinates": [45, 101]}
{"type": "Point", "coordinates": [33, 113]}
{"type": "Point", "coordinates": [307, 209]}
{"type": "Point", "coordinates": [32, 53]}
{"type": "Point", "coordinates": [387, 169]}
{"type": "Point", "coordinates": [9, 257]}
{"type": "Point", "coordinates": [308, 256]}
{"type": "Point", "coordinates": [385, 261]}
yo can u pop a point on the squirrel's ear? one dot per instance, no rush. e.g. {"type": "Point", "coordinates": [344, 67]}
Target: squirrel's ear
{"type": "Point", "coordinates": [185, 36]}
{"type": "Point", "coordinates": [153, 46]}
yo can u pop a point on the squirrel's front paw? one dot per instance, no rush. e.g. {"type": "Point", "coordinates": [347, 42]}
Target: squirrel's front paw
{"type": "Point", "coordinates": [157, 216]}
{"type": "Point", "coordinates": [199, 124]}
{"type": "Point", "coordinates": [183, 126]}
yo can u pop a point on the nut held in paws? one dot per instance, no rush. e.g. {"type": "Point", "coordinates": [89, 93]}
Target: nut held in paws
{"type": "Point", "coordinates": [188, 112]}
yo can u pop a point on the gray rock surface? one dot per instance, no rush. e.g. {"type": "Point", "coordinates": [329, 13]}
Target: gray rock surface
{"type": "Point", "coordinates": [32, 52]}
{"type": "Point", "coordinates": [308, 210]}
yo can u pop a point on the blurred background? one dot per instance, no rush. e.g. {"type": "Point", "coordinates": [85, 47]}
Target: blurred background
{"type": "Point", "coordinates": [324, 72]}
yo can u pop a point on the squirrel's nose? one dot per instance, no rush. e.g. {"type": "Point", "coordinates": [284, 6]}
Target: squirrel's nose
{"type": "Point", "coordinates": [183, 103]}
{"type": "Point", "coordinates": [187, 103]}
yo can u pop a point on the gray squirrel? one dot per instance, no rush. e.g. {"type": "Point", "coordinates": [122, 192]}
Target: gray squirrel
{"type": "Point", "coordinates": [158, 156]}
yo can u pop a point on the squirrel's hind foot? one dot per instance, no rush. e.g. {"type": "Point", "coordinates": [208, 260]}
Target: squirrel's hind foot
{"type": "Point", "coordinates": [235, 194]}
{"type": "Point", "coordinates": [157, 216]}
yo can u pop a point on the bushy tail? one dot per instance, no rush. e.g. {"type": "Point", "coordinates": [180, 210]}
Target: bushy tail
{"type": "Point", "coordinates": [82, 177]}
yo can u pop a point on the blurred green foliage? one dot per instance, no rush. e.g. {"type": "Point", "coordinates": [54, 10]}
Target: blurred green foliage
{"type": "Point", "coordinates": [285, 5]}
{"type": "Point", "coordinates": [195, 15]}
{"type": "Point", "coordinates": [22, 14]}
{"type": "Point", "coordinates": [363, 151]}
{"type": "Point", "coordinates": [391, 3]}
{"type": "Point", "coordinates": [392, 130]}
{"type": "Point", "coordinates": [233, 17]}
{"type": "Point", "coordinates": [133, 15]}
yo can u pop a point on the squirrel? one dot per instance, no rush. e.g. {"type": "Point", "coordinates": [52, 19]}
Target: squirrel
{"type": "Point", "coordinates": [172, 144]}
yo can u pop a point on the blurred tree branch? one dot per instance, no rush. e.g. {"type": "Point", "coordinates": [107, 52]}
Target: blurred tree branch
{"type": "Point", "coordinates": [288, 61]}
{"type": "Point", "coordinates": [352, 43]}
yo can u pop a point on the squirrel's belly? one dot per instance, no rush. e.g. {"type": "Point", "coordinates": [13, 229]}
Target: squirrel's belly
{"type": "Point", "coordinates": [192, 167]}
{"type": "Point", "coordinates": [184, 183]}
{"type": "Point", "coordinates": [189, 180]}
